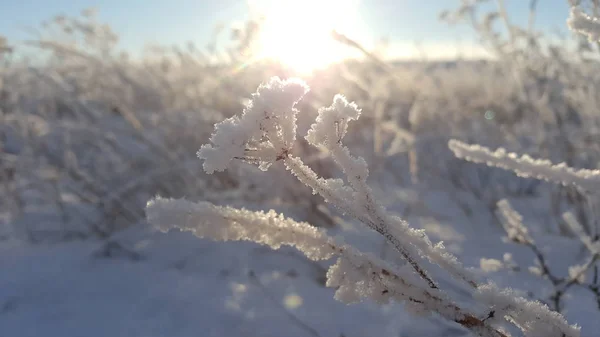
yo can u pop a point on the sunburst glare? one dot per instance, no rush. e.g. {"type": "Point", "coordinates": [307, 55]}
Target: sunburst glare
{"type": "Point", "coordinates": [298, 33]}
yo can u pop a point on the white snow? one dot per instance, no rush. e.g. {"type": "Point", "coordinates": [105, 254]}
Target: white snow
{"type": "Point", "coordinates": [172, 284]}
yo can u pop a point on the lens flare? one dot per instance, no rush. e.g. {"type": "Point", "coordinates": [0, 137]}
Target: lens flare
{"type": "Point", "coordinates": [298, 33]}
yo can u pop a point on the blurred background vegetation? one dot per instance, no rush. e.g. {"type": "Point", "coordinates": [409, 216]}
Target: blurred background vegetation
{"type": "Point", "coordinates": [89, 130]}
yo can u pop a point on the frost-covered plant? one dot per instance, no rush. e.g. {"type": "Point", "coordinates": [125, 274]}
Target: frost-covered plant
{"type": "Point", "coordinates": [547, 107]}
{"type": "Point", "coordinates": [584, 24]}
{"type": "Point", "coordinates": [265, 134]}
{"type": "Point", "coordinates": [581, 221]}
{"type": "Point", "coordinates": [586, 180]}
{"type": "Point", "coordinates": [525, 166]}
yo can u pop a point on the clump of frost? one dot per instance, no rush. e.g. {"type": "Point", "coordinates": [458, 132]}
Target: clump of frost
{"type": "Point", "coordinates": [490, 265]}
{"type": "Point", "coordinates": [265, 131]}
{"type": "Point", "coordinates": [584, 24]}
{"type": "Point", "coordinates": [338, 115]}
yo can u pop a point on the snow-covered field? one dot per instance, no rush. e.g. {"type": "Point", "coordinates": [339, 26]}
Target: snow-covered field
{"type": "Point", "coordinates": [88, 135]}
{"type": "Point", "coordinates": [175, 285]}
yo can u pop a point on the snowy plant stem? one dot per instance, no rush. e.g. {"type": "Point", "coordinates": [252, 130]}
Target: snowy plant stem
{"type": "Point", "coordinates": [308, 177]}
{"type": "Point", "coordinates": [525, 166]}
{"type": "Point", "coordinates": [574, 278]}
{"type": "Point", "coordinates": [386, 281]}
{"type": "Point", "coordinates": [383, 222]}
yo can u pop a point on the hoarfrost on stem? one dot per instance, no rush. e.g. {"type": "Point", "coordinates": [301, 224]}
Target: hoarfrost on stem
{"type": "Point", "coordinates": [535, 319]}
{"type": "Point", "coordinates": [525, 166]}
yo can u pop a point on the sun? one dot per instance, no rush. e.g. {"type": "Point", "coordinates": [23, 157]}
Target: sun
{"type": "Point", "coordinates": [297, 33]}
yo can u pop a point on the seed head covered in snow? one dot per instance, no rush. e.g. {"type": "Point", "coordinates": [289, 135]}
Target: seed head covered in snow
{"type": "Point", "coordinates": [584, 24]}
{"type": "Point", "coordinates": [266, 129]}
{"type": "Point", "coordinates": [332, 122]}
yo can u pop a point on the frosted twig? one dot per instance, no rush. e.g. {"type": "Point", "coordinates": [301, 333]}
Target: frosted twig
{"type": "Point", "coordinates": [592, 245]}
{"type": "Point", "coordinates": [525, 166]}
{"type": "Point", "coordinates": [517, 232]}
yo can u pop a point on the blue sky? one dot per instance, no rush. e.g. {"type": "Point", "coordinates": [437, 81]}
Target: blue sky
{"type": "Point", "coordinates": [178, 21]}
